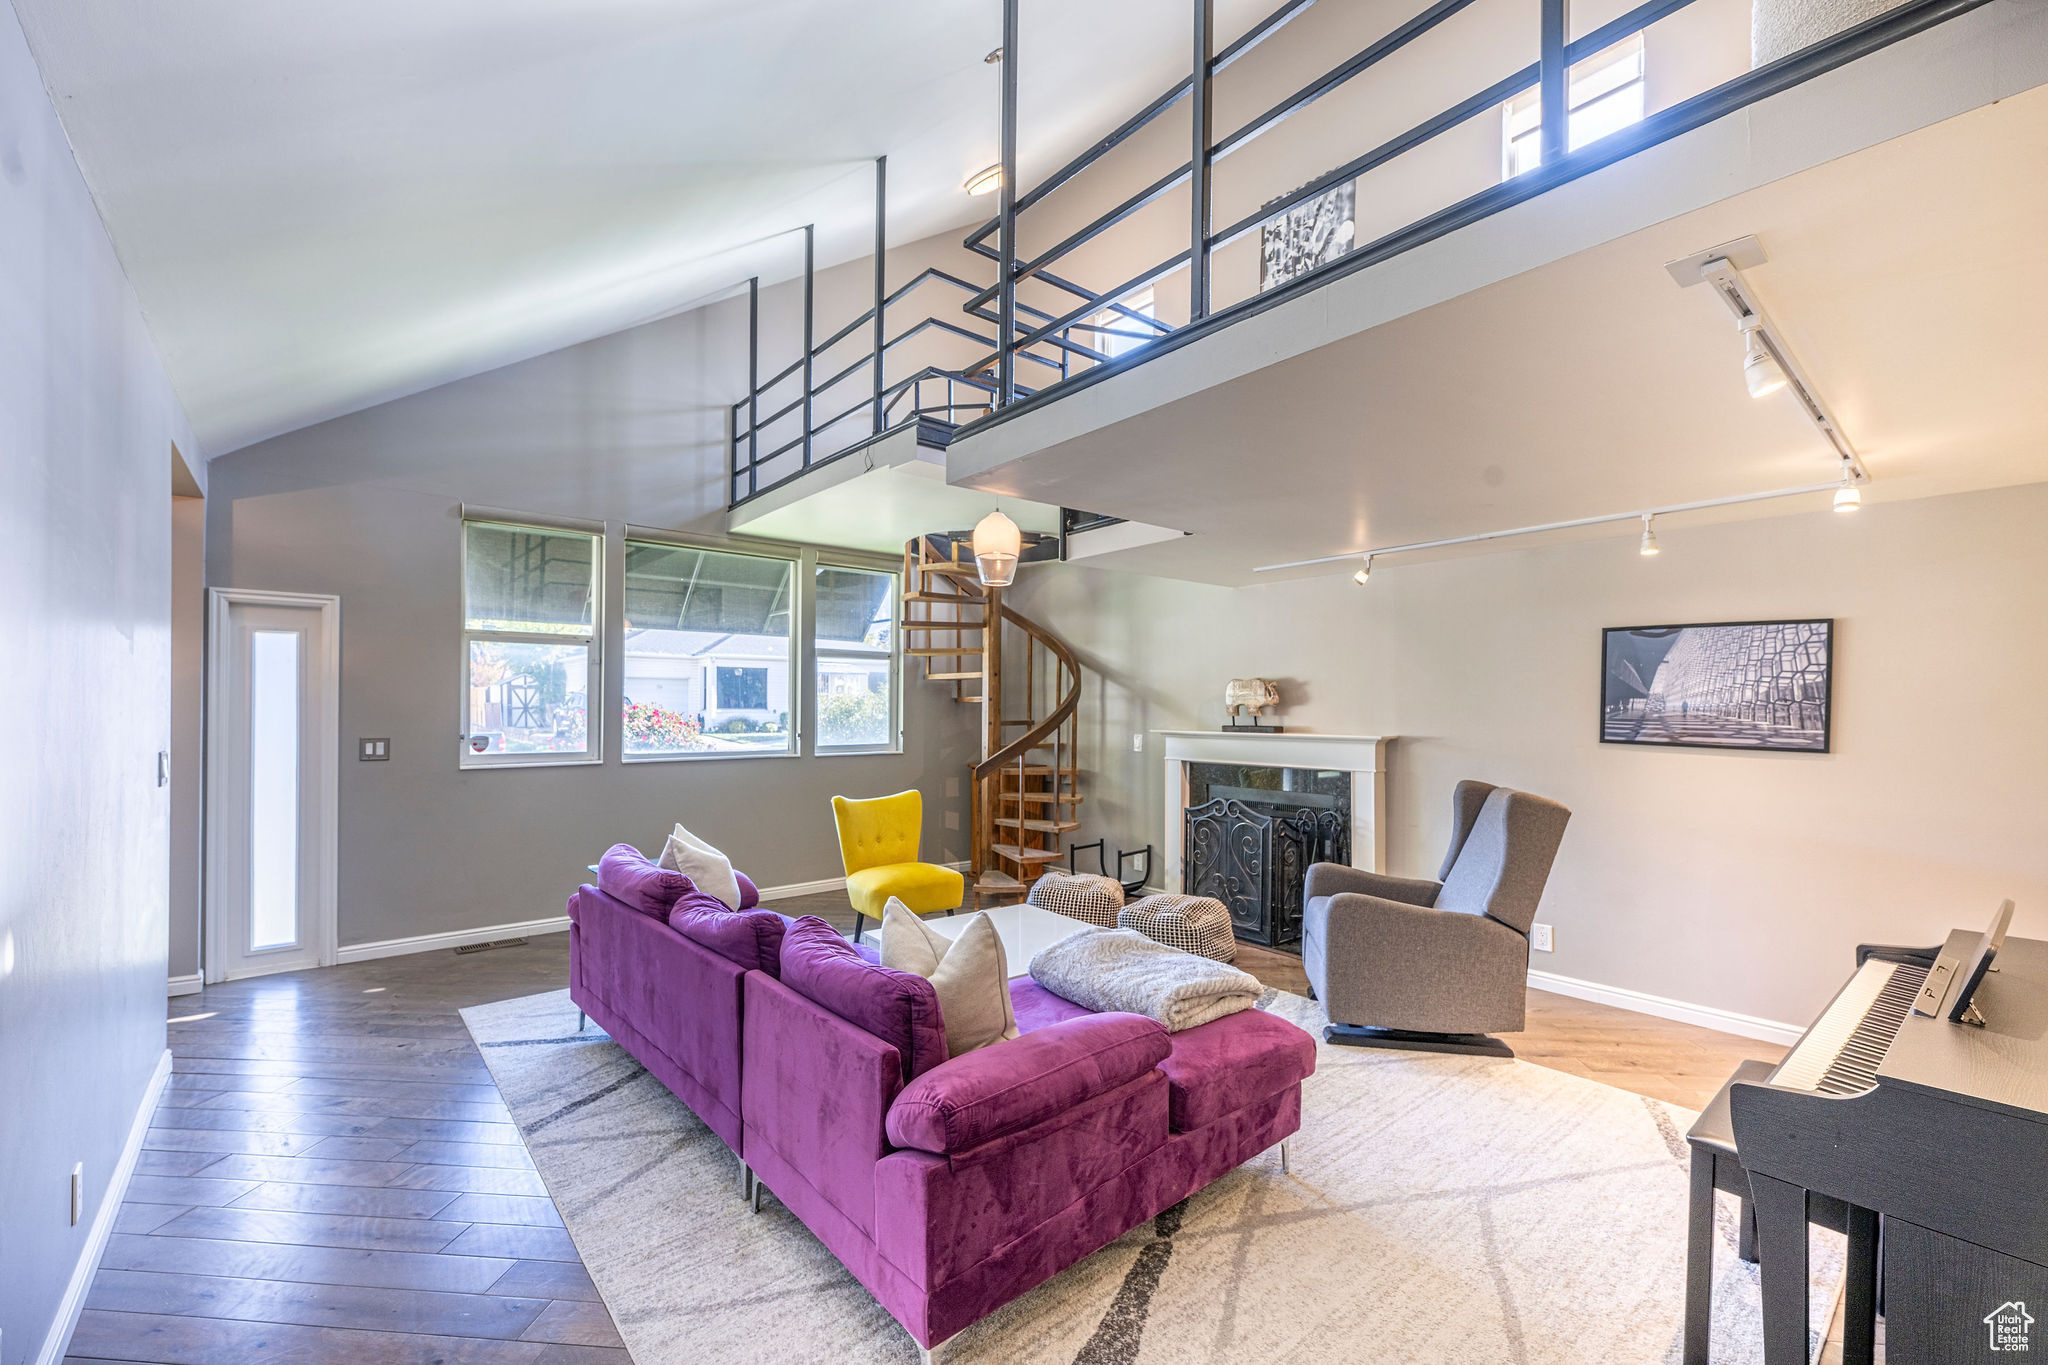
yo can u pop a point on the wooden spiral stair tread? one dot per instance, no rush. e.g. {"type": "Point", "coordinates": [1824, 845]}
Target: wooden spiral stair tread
{"type": "Point", "coordinates": [1024, 785]}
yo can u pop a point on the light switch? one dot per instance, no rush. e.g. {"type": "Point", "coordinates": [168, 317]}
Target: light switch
{"type": "Point", "coordinates": [1138, 742]}
{"type": "Point", "coordinates": [374, 750]}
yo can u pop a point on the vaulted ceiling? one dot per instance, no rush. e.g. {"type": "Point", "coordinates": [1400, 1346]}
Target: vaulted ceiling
{"type": "Point", "coordinates": [323, 207]}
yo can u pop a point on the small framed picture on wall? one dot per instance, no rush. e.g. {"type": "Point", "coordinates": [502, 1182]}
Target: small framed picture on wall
{"type": "Point", "coordinates": [1725, 685]}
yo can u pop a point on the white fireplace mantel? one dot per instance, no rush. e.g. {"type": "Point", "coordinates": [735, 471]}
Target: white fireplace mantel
{"type": "Point", "coordinates": [1363, 756]}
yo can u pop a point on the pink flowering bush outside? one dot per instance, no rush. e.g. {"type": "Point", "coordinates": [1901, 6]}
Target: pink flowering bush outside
{"type": "Point", "coordinates": [650, 729]}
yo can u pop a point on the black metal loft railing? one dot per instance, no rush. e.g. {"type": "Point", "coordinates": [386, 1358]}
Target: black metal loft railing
{"type": "Point", "coordinates": [1036, 352]}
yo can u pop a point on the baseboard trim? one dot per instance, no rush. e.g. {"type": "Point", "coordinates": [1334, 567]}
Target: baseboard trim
{"type": "Point", "coordinates": [1663, 1007]}
{"type": "Point", "coordinates": [187, 985]}
{"type": "Point", "coordinates": [457, 938]}
{"type": "Point", "coordinates": [58, 1342]}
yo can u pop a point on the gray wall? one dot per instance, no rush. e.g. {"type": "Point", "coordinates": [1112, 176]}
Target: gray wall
{"type": "Point", "coordinates": [625, 429]}
{"type": "Point", "coordinates": [1740, 881]}
{"type": "Point", "coordinates": [87, 420]}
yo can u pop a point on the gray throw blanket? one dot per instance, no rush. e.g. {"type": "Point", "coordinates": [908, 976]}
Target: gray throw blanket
{"type": "Point", "coordinates": [1121, 969]}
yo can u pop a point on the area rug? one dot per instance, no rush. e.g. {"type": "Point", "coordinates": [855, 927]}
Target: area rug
{"type": "Point", "coordinates": [1439, 1209]}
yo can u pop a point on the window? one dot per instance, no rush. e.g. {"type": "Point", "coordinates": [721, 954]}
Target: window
{"type": "Point", "coordinates": [855, 659]}
{"type": "Point", "coordinates": [529, 641]}
{"type": "Point", "coordinates": [1604, 95]}
{"type": "Point", "coordinates": [707, 667]}
{"type": "Point", "coordinates": [1123, 333]}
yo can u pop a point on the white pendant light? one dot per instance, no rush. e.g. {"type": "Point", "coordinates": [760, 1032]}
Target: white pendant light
{"type": "Point", "coordinates": [1760, 369]}
{"type": "Point", "coordinates": [1364, 572]}
{"type": "Point", "coordinates": [997, 545]}
{"type": "Point", "coordinates": [1649, 545]}
{"type": "Point", "coordinates": [1848, 497]}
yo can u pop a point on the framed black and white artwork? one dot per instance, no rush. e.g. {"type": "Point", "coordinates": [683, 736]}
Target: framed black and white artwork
{"type": "Point", "coordinates": [1312, 233]}
{"type": "Point", "coordinates": [1728, 685]}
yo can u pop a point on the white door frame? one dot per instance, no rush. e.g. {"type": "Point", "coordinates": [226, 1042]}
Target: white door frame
{"type": "Point", "coordinates": [326, 781]}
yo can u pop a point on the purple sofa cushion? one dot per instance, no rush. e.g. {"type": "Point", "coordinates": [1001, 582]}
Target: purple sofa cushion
{"type": "Point", "coordinates": [627, 875]}
{"type": "Point", "coordinates": [750, 939]}
{"type": "Point", "coordinates": [1036, 1006]}
{"type": "Point", "coordinates": [1219, 1067]}
{"type": "Point", "coordinates": [900, 1008]}
{"type": "Point", "coordinates": [1013, 1085]}
{"type": "Point", "coordinates": [750, 894]}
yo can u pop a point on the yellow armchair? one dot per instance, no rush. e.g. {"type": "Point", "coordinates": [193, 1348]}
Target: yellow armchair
{"type": "Point", "coordinates": [878, 841]}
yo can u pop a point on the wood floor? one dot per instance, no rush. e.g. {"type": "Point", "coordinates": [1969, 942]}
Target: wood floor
{"type": "Point", "coordinates": [332, 1177]}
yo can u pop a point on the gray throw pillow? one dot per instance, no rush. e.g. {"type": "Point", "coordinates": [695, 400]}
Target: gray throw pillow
{"type": "Point", "coordinates": [970, 974]}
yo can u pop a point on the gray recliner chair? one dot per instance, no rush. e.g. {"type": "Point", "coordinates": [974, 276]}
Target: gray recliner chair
{"type": "Point", "coordinates": [1436, 966]}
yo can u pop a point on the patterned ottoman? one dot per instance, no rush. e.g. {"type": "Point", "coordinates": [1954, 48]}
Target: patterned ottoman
{"type": "Point", "coordinates": [1082, 896]}
{"type": "Point", "coordinates": [1193, 924]}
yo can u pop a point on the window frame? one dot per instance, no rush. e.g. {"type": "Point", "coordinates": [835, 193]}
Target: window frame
{"type": "Point", "coordinates": [592, 642]}
{"type": "Point", "coordinates": [1117, 343]}
{"type": "Point", "coordinates": [815, 652]}
{"type": "Point", "coordinates": [797, 665]}
{"type": "Point", "coordinates": [1623, 49]}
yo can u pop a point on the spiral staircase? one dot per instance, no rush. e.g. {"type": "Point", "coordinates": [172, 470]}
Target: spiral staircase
{"type": "Point", "coordinates": [1025, 786]}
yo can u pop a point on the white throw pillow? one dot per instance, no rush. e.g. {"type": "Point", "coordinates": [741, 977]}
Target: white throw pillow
{"type": "Point", "coordinates": [970, 974]}
{"type": "Point", "coordinates": [704, 865]}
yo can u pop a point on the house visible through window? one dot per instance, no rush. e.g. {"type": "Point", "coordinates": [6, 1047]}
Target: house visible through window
{"type": "Point", "coordinates": [707, 666]}
{"type": "Point", "coordinates": [855, 657]}
{"type": "Point", "coordinates": [742, 689]}
{"type": "Point", "coordinates": [1604, 95]}
{"type": "Point", "coordinates": [530, 628]}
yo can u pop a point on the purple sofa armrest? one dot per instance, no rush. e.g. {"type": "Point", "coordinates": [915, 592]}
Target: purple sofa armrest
{"type": "Point", "coordinates": [1014, 1085]}
{"type": "Point", "coordinates": [750, 894]}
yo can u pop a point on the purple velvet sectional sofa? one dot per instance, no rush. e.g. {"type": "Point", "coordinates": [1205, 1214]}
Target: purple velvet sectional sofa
{"type": "Point", "coordinates": [947, 1187]}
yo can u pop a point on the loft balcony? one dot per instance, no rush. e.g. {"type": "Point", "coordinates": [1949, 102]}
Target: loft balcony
{"type": "Point", "coordinates": [1275, 277]}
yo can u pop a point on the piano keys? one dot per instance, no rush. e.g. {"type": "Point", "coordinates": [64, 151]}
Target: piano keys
{"type": "Point", "coordinates": [1938, 1126]}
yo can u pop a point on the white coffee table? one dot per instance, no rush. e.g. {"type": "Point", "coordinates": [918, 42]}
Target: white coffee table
{"type": "Point", "coordinates": [1024, 929]}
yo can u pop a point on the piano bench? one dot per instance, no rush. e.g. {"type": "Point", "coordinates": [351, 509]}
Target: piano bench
{"type": "Point", "coordinates": [1717, 1166]}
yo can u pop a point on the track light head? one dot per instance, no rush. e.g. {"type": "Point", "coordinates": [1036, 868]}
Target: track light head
{"type": "Point", "coordinates": [1760, 369]}
{"type": "Point", "coordinates": [1848, 497]}
{"type": "Point", "coordinates": [1364, 572]}
{"type": "Point", "coordinates": [1649, 545]}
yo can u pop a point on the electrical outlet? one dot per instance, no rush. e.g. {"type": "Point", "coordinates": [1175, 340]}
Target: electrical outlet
{"type": "Point", "coordinates": [1540, 939]}
{"type": "Point", "coordinates": [77, 1193]}
{"type": "Point", "coordinates": [1138, 742]}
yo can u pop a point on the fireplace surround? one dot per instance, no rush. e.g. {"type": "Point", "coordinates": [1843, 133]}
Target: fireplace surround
{"type": "Point", "coordinates": [1356, 764]}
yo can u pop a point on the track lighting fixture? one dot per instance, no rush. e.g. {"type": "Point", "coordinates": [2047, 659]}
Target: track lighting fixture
{"type": "Point", "coordinates": [988, 180]}
{"type": "Point", "coordinates": [1848, 497]}
{"type": "Point", "coordinates": [1649, 545]}
{"type": "Point", "coordinates": [1364, 572]}
{"type": "Point", "coordinates": [1760, 369]}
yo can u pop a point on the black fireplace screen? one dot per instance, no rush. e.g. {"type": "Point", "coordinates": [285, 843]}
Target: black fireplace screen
{"type": "Point", "coordinates": [1252, 847]}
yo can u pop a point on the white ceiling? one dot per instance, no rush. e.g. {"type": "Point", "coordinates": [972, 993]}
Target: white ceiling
{"type": "Point", "coordinates": [1911, 279]}
{"type": "Point", "coordinates": [323, 207]}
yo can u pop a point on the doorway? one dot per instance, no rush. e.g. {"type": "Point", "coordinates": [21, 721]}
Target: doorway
{"type": "Point", "coordinates": [273, 745]}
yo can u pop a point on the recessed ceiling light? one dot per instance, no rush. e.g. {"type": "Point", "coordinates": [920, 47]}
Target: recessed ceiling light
{"type": "Point", "coordinates": [988, 181]}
